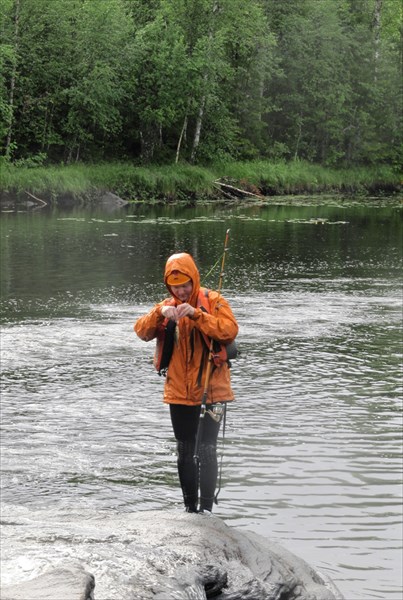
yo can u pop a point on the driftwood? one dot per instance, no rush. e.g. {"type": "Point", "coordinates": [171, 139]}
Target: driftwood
{"type": "Point", "coordinates": [231, 191]}
{"type": "Point", "coordinates": [230, 196]}
{"type": "Point", "coordinates": [42, 202]}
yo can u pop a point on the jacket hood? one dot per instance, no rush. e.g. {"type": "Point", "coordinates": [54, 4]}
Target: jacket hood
{"type": "Point", "coordinates": [184, 263]}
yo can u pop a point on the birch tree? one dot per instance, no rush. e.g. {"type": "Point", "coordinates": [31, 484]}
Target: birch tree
{"type": "Point", "coordinates": [9, 57]}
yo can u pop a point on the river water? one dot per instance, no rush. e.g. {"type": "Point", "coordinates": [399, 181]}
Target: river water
{"type": "Point", "coordinates": [313, 442]}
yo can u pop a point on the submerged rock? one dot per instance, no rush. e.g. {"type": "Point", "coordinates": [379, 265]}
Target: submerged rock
{"type": "Point", "coordinates": [183, 556]}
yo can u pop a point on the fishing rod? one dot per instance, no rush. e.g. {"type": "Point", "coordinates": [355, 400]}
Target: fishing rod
{"type": "Point", "coordinates": [203, 407]}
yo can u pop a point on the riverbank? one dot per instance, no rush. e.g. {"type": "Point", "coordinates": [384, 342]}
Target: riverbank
{"type": "Point", "coordinates": [172, 183]}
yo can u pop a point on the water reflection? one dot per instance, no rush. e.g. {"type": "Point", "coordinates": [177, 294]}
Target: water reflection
{"type": "Point", "coordinates": [313, 447]}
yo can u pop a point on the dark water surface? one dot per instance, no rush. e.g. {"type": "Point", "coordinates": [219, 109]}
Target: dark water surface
{"type": "Point", "coordinates": [313, 441]}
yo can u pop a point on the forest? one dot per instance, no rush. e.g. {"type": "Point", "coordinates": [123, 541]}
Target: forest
{"type": "Point", "coordinates": [195, 81]}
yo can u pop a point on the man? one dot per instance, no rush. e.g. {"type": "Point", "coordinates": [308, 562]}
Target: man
{"type": "Point", "coordinates": [196, 315]}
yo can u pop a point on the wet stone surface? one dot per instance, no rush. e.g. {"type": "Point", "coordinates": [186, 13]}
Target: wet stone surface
{"type": "Point", "coordinates": [178, 556]}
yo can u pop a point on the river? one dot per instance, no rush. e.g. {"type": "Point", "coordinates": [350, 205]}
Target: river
{"type": "Point", "coordinates": [312, 455]}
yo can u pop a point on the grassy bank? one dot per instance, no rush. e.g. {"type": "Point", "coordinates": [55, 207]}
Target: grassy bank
{"type": "Point", "coordinates": [301, 177]}
{"type": "Point", "coordinates": [176, 182]}
{"type": "Point", "coordinates": [127, 181]}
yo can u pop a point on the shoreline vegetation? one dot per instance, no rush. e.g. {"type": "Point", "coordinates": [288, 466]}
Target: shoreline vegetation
{"type": "Point", "coordinates": [191, 184]}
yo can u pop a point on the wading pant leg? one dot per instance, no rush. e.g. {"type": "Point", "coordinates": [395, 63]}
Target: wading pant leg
{"type": "Point", "coordinates": [188, 474]}
{"type": "Point", "coordinates": [208, 463]}
{"type": "Point", "coordinates": [208, 475]}
{"type": "Point", "coordinates": [184, 423]}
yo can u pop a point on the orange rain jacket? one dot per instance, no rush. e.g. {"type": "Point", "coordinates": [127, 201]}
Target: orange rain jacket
{"type": "Point", "coordinates": [184, 383]}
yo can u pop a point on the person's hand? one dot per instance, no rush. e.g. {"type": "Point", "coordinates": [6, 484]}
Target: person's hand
{"type": "Point", "coordinates": [184, 310]}
{"type": "Point", "coordinates": [177, 312]}
{"type": "Point", "coordinates": [170, 312]}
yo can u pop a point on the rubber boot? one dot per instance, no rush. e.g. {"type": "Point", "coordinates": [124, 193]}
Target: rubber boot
{"type": "Point", "coordinates": [206, 505]}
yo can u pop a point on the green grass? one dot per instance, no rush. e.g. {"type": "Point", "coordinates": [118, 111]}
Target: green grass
{"type": "Point", "coordinates": [125, 180]}
{"type": "Point", "coordinates": [302, 177]}
{"type": "Point", "coordinates": [172, 182]}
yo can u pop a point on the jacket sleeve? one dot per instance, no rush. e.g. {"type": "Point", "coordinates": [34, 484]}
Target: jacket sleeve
{"type": "Point", "coordinates": [146, 327]}
{"type": "Point", "coordinates": [221, 324]}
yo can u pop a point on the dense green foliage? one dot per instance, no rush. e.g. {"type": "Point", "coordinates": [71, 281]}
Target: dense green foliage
{"type": "Point", "coordinates": [200, 80]}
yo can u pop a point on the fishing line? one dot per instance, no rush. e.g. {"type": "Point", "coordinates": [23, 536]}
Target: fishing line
{"type": "Point", "coordinates": [222, 453]}
{"type": "Point", "coordinates": [212, 268]}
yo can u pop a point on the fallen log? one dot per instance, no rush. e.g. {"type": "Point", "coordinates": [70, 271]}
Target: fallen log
{"type": "Point", "coordinates": [234, 191]}
{"type": "Point", "coordinates": [42, 202]}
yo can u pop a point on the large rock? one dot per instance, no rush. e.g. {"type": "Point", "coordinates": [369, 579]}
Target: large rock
{"type": "Point", "coordinates": [169, 555]}
{"type": "Point", "coordinates": [57, 584]}
{"type": "Point", "coordinates": [194, 556]}
{"type": "Point", "coordinates": [109, 201]}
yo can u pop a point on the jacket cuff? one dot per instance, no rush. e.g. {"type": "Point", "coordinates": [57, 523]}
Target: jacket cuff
{"type": "Point", "coordinates": [197, 314]}
{"type": "Point", "coordinates": [158, 313]}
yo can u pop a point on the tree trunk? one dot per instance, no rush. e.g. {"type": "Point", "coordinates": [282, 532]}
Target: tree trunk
{"type": "Point", "coordinates": [49, 127]}
{"type": "Point", "coordinates": [298, 138]}
{"type": "Point", "coordinates": [45, 127]}
{"type": "Point", "coordinates": [183, 132]}
{"type": "Point", "coordinates": [376, 28]}
{"type": "Point", "coordinates": [13, 78]}
{"type": "Point", "coordinates": [199, 123]}
{"type": "Point", "coordinates": [200, 114]}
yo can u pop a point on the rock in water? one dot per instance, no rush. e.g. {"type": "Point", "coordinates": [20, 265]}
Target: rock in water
{"type": "Point", "coordinates": [169, 555]}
